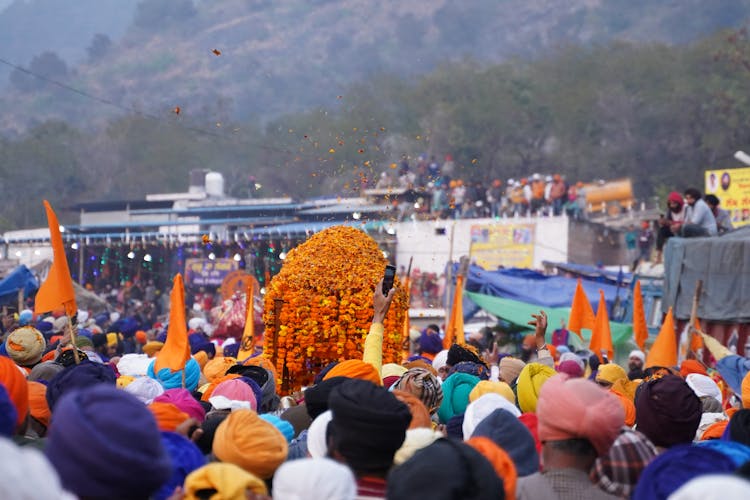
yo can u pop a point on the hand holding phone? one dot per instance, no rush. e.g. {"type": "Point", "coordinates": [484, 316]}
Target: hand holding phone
{"type": "Point", "coordinates": [388, 277]}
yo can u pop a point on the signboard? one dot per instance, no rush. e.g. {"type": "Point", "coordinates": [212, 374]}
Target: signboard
{"type": "Point", "coordinates": [238, 281]}
{"type": "Point", "coordinates": [502, 245]}
{"type": "Point", "coordinates": [207, 272]}
{"type": "Point", "coordinates": [732, 187]}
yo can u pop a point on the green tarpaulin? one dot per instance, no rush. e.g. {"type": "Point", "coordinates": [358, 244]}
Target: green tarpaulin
{"type": "Point", "coordinates": [519, 313]}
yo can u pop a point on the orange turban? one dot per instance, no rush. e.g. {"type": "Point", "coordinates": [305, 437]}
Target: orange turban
{"type": "Point", "coordinates": [263, 362]}
{"type": "Point", "coordinates": [715, 430]}
{"type": "Point", "coordinates": [745, 391]}
{"type": "Point", "coordinates": [18, 390]}
{"type": "Point", "coordinates": [626, 388]}
{"type": "Point", "coordinates": [218, 367]}
{"type": "Point", "coordinates": [168, 416]}
{"type": "Point", "coordinates": [421, 364]}
{"type": "Point", "coordinates": [628, 407]}
{"type": "Point", "coordinates": [38, 406]}
{"type": "Point", "coordinates": [246, 440]}
{"type": "Point", "coordinates": [202, 358]}
{"type": "Point", "coordinates": [500, 460]}
{"type": "Point", "coordinates": [355, 368]}
{"type": "Point", "coordinates": [692, 366]}
{"type": "Point", "coordinates": [420, 417]}
{"type": "Point", "coordinates": [210, 389]}
{"type": "Point", "coordinates": [140, 336]}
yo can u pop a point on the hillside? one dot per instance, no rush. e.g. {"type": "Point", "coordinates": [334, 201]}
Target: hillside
{"type": "Point", "coordinates": [286, 56]}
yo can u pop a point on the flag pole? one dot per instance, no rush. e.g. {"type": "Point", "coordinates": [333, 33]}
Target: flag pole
{"type": "Point", "coordinates": [71, 331]}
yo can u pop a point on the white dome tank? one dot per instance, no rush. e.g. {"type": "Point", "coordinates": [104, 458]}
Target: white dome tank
{"type": "Point", "coordinates": [215, 184]}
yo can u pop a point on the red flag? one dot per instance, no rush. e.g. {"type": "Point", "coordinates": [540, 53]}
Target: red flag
{"type": "Point", "coordinates": [601, 337]}
{"type": "Point", "coordinates": [581, 314]}
{"type": "Point", "coordinates": [176, 350]}
{"type": "Point", "coordinates": [640, 329]}
{"type": "Point", "coordinates": [57, 290]}
{"type": "Point", "coordinates": [664, 350]}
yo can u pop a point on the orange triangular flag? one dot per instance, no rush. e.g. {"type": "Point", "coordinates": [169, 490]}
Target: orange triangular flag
{"type": "Point", "coordinates": [696, 341]}
{"type": "Point", "coordinates": [247, 344]}
{"type": "Point", "coordinates": [640, 329]}
{"type": "Point", "coordinates": [581, 313]}
{"type": "Point", "coordinates": [454, 331]}
{"type": "Point", "coordinates": [176, 350]}
{"type": "Point", "coordinates": [601, 336]}
{"type": "Point", "coordinates": [57, 290]}
{"type": "Point", "coordinates": [664, 350]}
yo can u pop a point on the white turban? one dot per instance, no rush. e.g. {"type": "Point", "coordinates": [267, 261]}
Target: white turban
{"type": "Point", "coordinates": [703, 386]}
{"type": "Point", "coordinates": [724, 486]}
{"type": "Point", "coordinates": [134, 365]}
{"type": "Point", "coordinates": [27, 474]}
{"type": "Point", "coordinates": [145, 389]}
{"type": "Point", "coordinates": [196, 324]}
{"type": "Point", "coordinates": [482, 407]}
{"type": "Point", "coordinates": [440, 359]}
{"type": "Point", "coordinates": [316, 435]}
{"type": "Point", "coordinates": [415, 440]}
{"type": "Point", "coordinates": [571, 356]}
{"type": "Point", "coordinates": [635, 353]}
{"type": "Point", "coordinates": [314, 479]}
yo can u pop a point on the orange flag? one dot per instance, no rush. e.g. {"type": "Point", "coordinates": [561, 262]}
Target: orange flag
{"type": "Point", "coordinates": [247, 344]}
{"type": "Point", "coordinates": [176, 350]}
{"type": "Point", "coordinates": [664, 350]}
{"type": "Point", "coordinates": [455, 328]}
{"type": "Point", "coordinates": [57, 290]}
{"type": "Point", "coordinates": [640, 329]}
{"type": "Point", "coordinates": [581, 314]}
{"type": "Point", "coordinates": [601, 336]}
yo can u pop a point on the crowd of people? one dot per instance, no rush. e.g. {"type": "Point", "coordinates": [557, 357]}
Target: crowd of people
{"type": "Point", "coordinates": [434, 190]}
{"type": "Point", "coordinates": [97, 415]}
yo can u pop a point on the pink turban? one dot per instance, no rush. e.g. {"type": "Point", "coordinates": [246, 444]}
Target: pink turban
{"type": "Point", "coordinates": [236, 390]}
{"type": "Point", "coordinates": [185, 401]}
{"type": "Point", "coordinates": [578, 408]}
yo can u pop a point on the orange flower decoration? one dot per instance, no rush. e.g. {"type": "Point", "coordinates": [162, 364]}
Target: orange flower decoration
{"type": "Point", "coordinates": [326, 285]}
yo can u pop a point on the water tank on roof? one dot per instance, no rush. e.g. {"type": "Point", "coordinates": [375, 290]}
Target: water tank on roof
{"type": "Point", "coordinates": [215, 184]}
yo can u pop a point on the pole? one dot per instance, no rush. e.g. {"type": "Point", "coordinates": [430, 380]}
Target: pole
{"type": "Point", "coordinates": [693, 327]}
{"type": "Point", "coordinates": [72, 333]}
{"type": "Point", "coordinates": [20, 300]}
{"type": "Point", "coordinates": [80, 262]}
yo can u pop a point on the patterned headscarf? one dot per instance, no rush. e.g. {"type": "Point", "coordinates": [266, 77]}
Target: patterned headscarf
{"type": "Point", "coordinates": [618, 471]}
{"type": "Point", "coordinates": [424, 385]}
{"type": "Point", "coordinates": [471, 368]}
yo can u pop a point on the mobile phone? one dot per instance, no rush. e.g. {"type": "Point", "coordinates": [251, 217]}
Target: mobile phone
{"type": "Point", "coordinates": [390, 273]}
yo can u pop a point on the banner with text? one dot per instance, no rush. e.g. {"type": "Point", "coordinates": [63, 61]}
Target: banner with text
{"type": "Point", "coordinates": [732, 187]}
{"type": "Point", "coordinates": [207, 272]}
{"type": "Point", "coordinates": [506, 245]}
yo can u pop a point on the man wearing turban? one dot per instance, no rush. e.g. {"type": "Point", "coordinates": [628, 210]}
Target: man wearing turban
{"type": "Point", "coordinates": [578, 421]}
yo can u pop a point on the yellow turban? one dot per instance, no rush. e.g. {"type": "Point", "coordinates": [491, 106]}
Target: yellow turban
{"type": "Point", "coordinates": [530, 382]}
{"type": "Point", "coordinates": [246, 440]}
{"type": "Point", "coordinates": [112, 339]}
{"type": "Point", "coordinates": [228, 480]}
{"type": "Point", "coordinates": [486, 387]}
{"type": "Point", "coordinates": [392, 370]}
{"type": "Point", "coordinates": [123, 381]}
{"type": "Point", "coordinates": [610, 373]}
{"type": "Point", "coordinates": [218, 367]}
{"type": "Point", "coordinates": [626, 387]}
{"type": "Point", "coordinates": [151, 348]}
{"type": "Point", "coordinates": [355, 368]}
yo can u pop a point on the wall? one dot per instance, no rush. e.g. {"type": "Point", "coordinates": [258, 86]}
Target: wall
{"type": "Point", "coordinates": [431, 251]}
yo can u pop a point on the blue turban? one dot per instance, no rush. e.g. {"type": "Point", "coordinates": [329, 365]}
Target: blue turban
{"type": "Point", "coordinates": [430, 342]}
{"type": "Point", "coordinates": [101, 319]}
{"type": "Point", "coordinates": [675, 467]}
{"type": "Point", "coordinates": [232, 350]}
{"type": "Point", "coordinates": [185, 456]}
{"type": "Point", "coordinates": [25, 317]}
{"type": "Point", "coordinates": [173, 380]}
{"type": "Point", "coordinates": [471, 368]}
{"type": "Point", "coordinates": [85, 332]}
{"type": "Point", "coordinates": [8, 414]}
{"type": "Point", "coordinates": [455, 427]}
{"type": "Point", "coordinates": [81, 376]}
{"type": "Point", "coordinates": [104, 443]}
{"type": "Point", "coordinates": [282, 425]}
{"type": "Point", "coordinates": [44, 326]}
{"type": "Point", "coordinates": [199, 342]}
{"type": "Point", "coordinates": [509, 433]}
{"type": "Point", "coordinates": [738, 452]}
{"type": "Point", "coordinates": [162, 337]}
{"type": "Point", "coordinates": [257, 391]}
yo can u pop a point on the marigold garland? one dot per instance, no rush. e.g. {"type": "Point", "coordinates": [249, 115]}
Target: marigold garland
{"type": "Point", "coordinates": [326, 285]}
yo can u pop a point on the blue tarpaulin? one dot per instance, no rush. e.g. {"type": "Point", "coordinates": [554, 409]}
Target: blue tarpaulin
{"type": "Point", "coordinates": [536, 288]}
{"type": "Point", "coordinates": [20, 278]}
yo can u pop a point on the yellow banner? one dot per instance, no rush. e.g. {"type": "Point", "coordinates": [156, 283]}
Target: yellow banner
{"type": "Point", "coordinates": [732, 187]}
{"type": "Point", "coordinates": [503, 245]}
